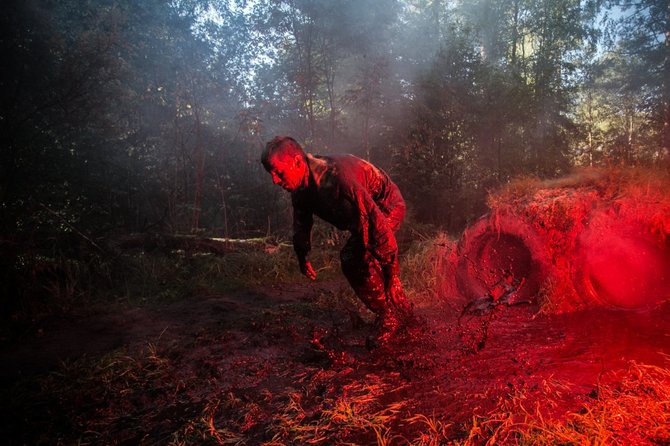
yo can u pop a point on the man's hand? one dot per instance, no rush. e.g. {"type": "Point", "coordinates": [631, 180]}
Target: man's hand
{"type": "Point", "coordinates": [306, 269]}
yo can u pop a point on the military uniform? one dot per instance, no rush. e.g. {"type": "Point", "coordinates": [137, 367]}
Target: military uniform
{"type": "Point", "coordinates": [355, 196]}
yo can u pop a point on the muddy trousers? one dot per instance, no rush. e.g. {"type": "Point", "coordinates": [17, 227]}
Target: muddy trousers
{"type": "Point", "coordinates": [365, 276]}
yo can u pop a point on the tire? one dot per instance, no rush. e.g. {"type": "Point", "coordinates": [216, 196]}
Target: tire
{"type": "Point", "coordinates": [495, 248]}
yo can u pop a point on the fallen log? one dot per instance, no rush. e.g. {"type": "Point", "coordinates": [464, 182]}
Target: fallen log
{"type": "Point", "coordinates": [196, 244]}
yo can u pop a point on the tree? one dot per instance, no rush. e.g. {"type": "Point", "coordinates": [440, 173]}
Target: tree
{"type": "Point", "coordinates": [436, 156]}
{"type": "Point", "coordinates": [641, 37]}
{"type": "Point", "coordinates": [324, 51]}
{"type": "Point", "coordinates": [61, 71]}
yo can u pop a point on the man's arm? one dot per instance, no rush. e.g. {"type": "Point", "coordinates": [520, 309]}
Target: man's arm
{"type": "Point", "coordinates": [302, 237]}
{"type": "Point", "coordinates": [394, 206]}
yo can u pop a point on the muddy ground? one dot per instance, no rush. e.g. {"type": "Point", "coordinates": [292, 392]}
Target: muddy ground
{"type": "Point", "coordinates": [288, 364]}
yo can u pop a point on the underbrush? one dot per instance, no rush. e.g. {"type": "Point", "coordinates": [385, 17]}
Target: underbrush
{"type": "Point", "coordinates": [427, 268]}
{"type": "Point", "coordinates": [154, 278]}
{"type": "Point", "coordinates": [39, 286]}
{"type": "Point", "coordinates": [55, 283]}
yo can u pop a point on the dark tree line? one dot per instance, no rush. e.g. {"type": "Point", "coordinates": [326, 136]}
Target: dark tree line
{"type": "Point", "coordinates": [122, 116]}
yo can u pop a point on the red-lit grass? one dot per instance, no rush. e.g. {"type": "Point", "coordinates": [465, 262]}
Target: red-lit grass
{"type": "Point", "coordinates": [634, 410]}
{"type": "Point", "coordinates": [249, 374]}
{"type": "Point", "coordinates": [428, 269]}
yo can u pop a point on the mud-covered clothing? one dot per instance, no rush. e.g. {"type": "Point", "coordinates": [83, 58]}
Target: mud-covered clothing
{"type": "Point", "coordinates": [356, 196]}
{"type": "Point", "coordinates": [352, 195]}
{"type": "Point", "coordinates": [367, 278]}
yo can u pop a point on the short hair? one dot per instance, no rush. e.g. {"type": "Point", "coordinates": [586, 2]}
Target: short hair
{"type": "Point", "coordinates": [281, 144]}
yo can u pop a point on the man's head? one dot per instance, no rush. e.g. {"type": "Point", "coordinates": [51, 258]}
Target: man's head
{"type": "Point", "coordinates": [286, 162]}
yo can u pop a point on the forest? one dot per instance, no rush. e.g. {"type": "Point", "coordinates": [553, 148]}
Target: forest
{"type": "Point", "coordinates": [132, 194]}
{"type": "Point", "coordinates": [128, 116]}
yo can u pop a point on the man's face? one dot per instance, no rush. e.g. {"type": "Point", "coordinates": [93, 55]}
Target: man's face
{"type": "Point", "coordinates": [286, 171]}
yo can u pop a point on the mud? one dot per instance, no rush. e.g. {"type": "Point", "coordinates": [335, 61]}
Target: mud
{"type": "Point", "coordinates": [260, 346]}
{"type": "Point", "coordinates": [525, 351]}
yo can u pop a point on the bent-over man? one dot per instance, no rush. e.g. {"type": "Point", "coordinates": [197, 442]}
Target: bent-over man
{"type": "Point", "coordinates": [352, 195]}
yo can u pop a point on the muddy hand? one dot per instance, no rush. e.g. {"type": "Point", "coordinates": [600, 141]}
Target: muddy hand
{"type": "Point", "coordinates": [306, 269]}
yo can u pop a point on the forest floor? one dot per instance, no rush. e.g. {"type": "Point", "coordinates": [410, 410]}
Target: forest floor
{"type": "Point", "coordinates": [288, 364]}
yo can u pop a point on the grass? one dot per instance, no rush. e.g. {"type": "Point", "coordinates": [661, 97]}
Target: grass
{"type": "Point", "coordinates": [427, 270]}
{"type": "Point", "coordinates": [156, 278]}
{"type": "Point", "coordinates": [355, 412]}
{"type": "Point", "coordinates": [85, 397]}
{"type": "Point", "coordinates": [635, 194]}
{"type": "Point", "coordinates": [234, 385]}
{"type": "Point", "coordinates": [632, 409]}
{"type": "Point", "coordinates": [53, 285]}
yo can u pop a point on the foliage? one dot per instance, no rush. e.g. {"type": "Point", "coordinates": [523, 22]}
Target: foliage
{"type": "Point", "coordinates": [39, 286]}
{"type": "Point", "coordinates": [624, 108]}
{"type": "Point", "coordinates": [124, 116]}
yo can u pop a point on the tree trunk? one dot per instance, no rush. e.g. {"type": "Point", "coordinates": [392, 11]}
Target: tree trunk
{"type": "Point", "coordinates": [629, 146]}
{"type": "Point", "coordinates": [515, 34]}
{"type": "Point", "coordinates": [666, 90]}
{"type": "Point", "coordinates": [437, 7]}
{"type": "Point", "coordinates": [330, 85]}
{"type": "Point", "coordinates": [199, 158]}
{"type": "Point", "coordinates": [366, 132]}
{"type": "Point", "coordinates": [591, 125]}
{"type": "Point", "coordinates": [310, 83]}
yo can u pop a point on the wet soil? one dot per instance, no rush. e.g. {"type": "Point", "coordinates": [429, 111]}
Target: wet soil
{"type": "Point", "coordinates": [257, 347]}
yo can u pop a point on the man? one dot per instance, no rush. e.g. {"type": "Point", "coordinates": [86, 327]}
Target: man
{"type": "Point", "coordinates": [352, 195]}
